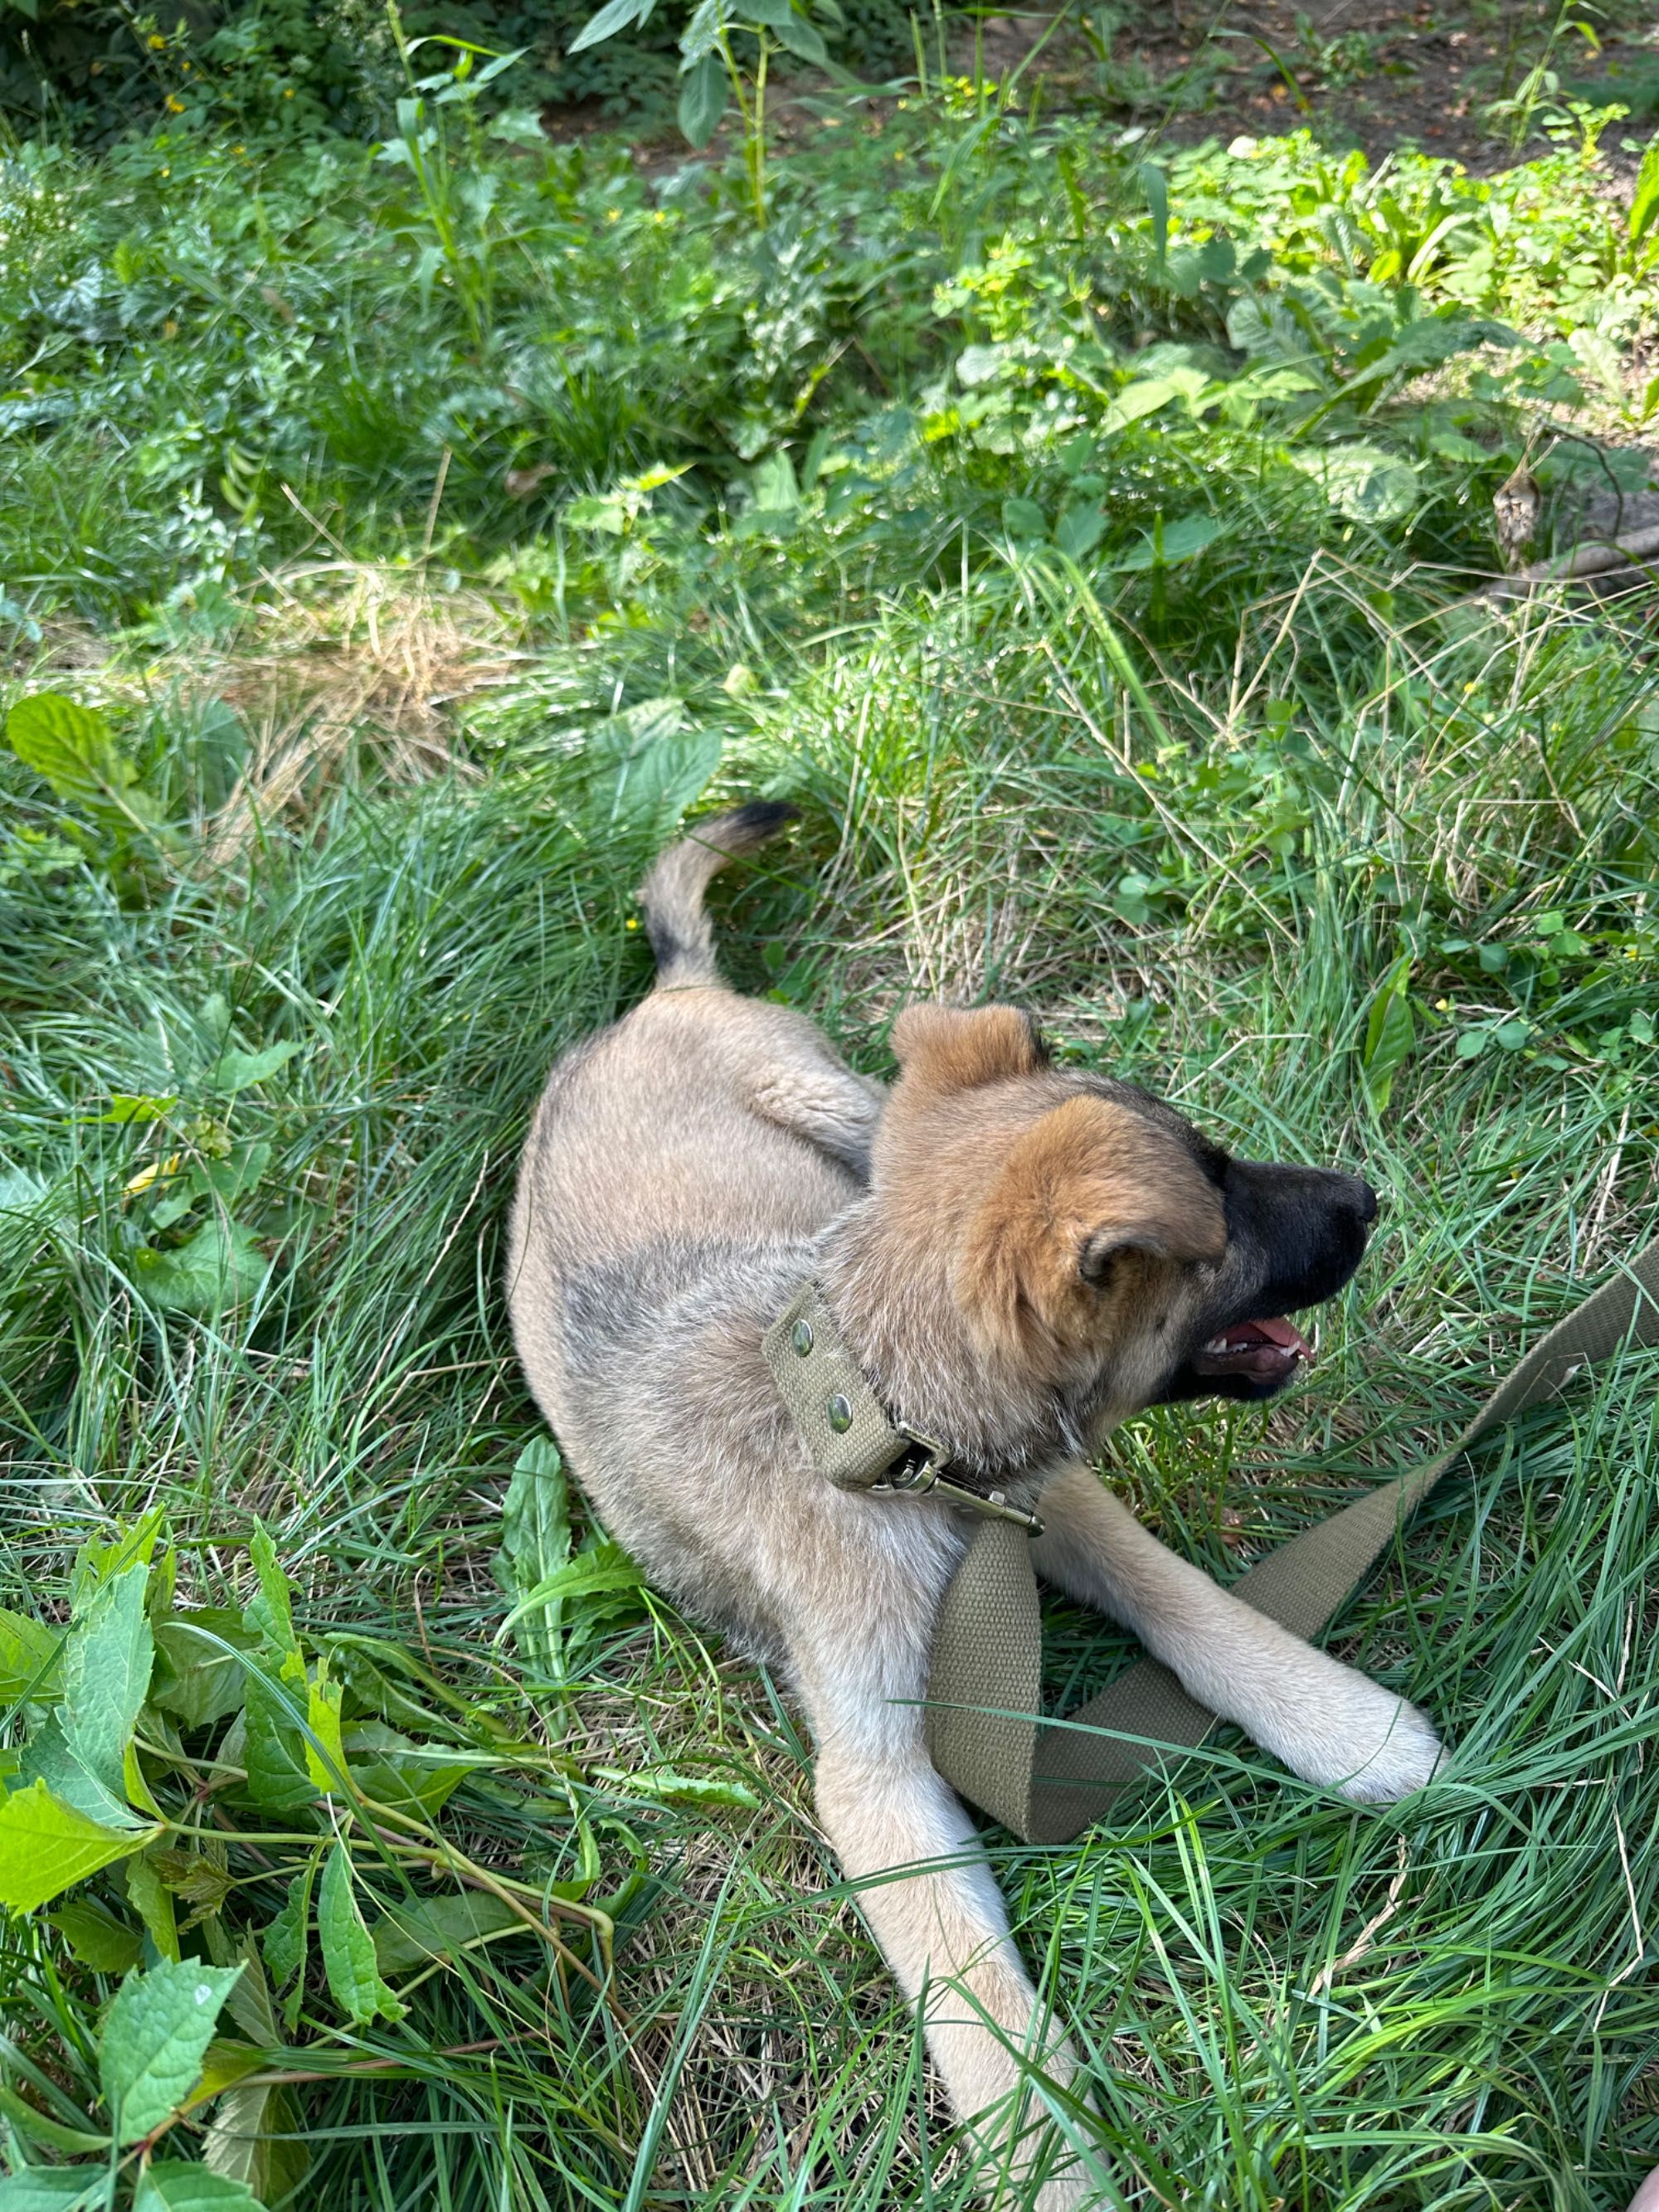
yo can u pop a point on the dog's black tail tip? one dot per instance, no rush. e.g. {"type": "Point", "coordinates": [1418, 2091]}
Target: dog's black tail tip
{"type": "Point", "coordinates": [671, 895]}
{"type": "Point", "coordinates": [754, 821]}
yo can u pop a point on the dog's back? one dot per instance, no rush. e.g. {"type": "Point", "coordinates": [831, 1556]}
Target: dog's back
{"type": "Point", "coordinates": [665, 1188]}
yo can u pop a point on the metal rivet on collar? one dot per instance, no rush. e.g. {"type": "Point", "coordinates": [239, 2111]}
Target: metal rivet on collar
{"type": "Point", "coordinates": [801, 1337]}
{"type": "Point", "coordinates": [840, 1414]}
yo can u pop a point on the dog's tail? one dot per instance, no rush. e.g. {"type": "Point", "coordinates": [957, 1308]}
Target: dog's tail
{"type": "Point", "coordinates": [671, 895]}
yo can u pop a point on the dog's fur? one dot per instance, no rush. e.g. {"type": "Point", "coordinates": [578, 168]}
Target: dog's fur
{"type": "Point", "coordinates": [1019, 1257]}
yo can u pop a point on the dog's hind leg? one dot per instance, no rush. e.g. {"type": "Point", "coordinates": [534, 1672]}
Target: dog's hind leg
{"type": "Point", "coordinates": [932, 1904]}
{"type": "Point", "coordinates": [1329, 1723]}
{"type": "Point", "coordinates": [803, 1089]}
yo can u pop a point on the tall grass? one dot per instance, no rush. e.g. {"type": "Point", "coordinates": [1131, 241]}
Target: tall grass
{"type": "Point", "coordinates": [1193, 814]}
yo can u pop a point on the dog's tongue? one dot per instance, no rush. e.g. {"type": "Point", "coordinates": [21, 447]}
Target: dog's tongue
{"type": "Point", "coordinates": [1285, 1334]}
{"type": "Point", "coordinates": [1266, 1351]}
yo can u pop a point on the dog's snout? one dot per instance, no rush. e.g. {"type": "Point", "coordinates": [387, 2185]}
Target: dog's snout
{"type": "Point", "coordinates": [1364, 1199]}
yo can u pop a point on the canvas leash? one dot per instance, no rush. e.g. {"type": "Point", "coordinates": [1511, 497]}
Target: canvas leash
{"type": "Point", "coordinates": [1048, 1781]}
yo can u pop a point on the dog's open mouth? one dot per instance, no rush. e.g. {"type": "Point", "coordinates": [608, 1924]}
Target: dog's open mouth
{"type": "Point", "coordinates": [1264, 1351]}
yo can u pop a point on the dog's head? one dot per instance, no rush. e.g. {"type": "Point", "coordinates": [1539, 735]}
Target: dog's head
{"type": "Point", "coordinates": [1091, 1234]}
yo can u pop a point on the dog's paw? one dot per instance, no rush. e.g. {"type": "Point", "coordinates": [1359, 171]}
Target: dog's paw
{"type": "Point", "coordinates": [1405, 1755]}
{"type": "Point", "coordinates": [1348, 1733]}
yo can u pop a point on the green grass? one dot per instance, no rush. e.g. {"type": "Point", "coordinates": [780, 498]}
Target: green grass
{"type": "Point", "coordinates": [1178, 726]}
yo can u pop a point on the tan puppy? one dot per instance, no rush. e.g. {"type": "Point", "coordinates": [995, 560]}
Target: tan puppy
{"type": "Point", "coordinates": [1019, 1257]}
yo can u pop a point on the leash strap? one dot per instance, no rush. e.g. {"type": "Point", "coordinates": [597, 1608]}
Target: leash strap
{"type": "Point", "coordinates": [1047, 1782]}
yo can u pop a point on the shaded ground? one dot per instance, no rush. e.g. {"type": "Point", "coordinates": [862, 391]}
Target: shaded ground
{"type": "Point", "coordinates": [1482, 82]}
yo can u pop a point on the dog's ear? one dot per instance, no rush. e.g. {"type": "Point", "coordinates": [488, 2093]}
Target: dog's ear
{"type": "Point", "coordinates": [1088, 1189]}
{"type": "Point", "coordinates": [943, 1048]}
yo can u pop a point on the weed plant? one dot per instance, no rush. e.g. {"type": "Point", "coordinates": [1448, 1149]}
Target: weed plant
{"type": "Point", "coordinates": [1096, 548]}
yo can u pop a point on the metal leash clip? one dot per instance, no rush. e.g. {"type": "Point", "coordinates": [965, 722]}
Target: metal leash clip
{"type": "Point", "coordinates": [929, 1475]}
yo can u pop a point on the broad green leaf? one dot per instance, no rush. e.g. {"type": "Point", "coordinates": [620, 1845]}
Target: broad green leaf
{"type": "Point", "coordinates": [607, 1567]}
{"type": "Point", "coordinates": [53, 2188]}
{"type": "Point", "coordinates": [240, 1071]}
{"type": "Point", "coordinates": [1170, 543]}
{"type": "Point", "coordinates": [776, 487]}
{"type": "Point", "coordinates": [287, 1942]}
{"type": "Point", "coordinates": [616, 15]}
{"type": "Point", "coordinates": [101, 1561]}
{"type": "Point", "coordinates": [1390, 1033]}
{"type": "Point", "coordinates": [377, 1693]}
{"type": "Point", "coordinates": [176, 2185]}
{"type": "Point", "coordinates": [647, 766]}
{"type": "Point", "coordinates": [107, 1668]}
{"type": "Point", "coordinates": [29, 1659]}
{"type": "Point", "coordinates": [47, 1757]}
{"type": "Point", "coordinates": [704, 91]}
{"type": "Point", "coordinates": [220, 1266]}
{"type": "Point", "coordinates": [127, 1106]}
{"type": "Point", "coordinates": [71, 747]}
{"type": "Point", "coordinates": [1080, 528]}
{"type": "Point", "coordinates": [390, 1768]}
{"type": "Point", "coordinates": [155, 2035]}
{"type": "Point", "coordinates": [1362, 482]}
{"type": "Point", "coordinates": [278, 1777]}
{"type": "Point", "coordinates": [802, 39]}
{"type": "Point", "coordinates": [46, 1847]}
{"type": "Point", "coordinates": [96, 1937]}
{"type": "Point", "coordinates": [348, 1948]}
{"type": "Point", "coordinates": [325, 1758]}
{"type": "Point", "coordinates": [599, 511]}
{"type": "Point", "coordinates": [410, 1936]}
{"type": "Point", "coordinates": [1024, 520]}
{"type": "Point", "coordinates": [536, 1544]}
{"type": "Point", "coordinates": [152, 1901]}
{"type": "Point", "coordinates": [269, 1612]}
{"type": "Point", "coordinates": [1140, 398]}
{"type": "Point", "coordinates": [196, 1678]}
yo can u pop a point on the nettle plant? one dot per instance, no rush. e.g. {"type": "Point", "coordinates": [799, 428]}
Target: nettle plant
{"type": "Point", "coordinates": [251, 1831]}
{"type": "Point", "coordinates": [726, 52]}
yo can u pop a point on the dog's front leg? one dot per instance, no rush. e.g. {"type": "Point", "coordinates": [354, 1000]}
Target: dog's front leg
{"type": "Point", "coordinates": [904, 1840]}
{"type": "Point", "coordinates": [1327, 1722]}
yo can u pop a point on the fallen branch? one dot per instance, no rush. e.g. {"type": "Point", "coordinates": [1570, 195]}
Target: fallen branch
{"type": "Point", "coordinates": [1592, 556]}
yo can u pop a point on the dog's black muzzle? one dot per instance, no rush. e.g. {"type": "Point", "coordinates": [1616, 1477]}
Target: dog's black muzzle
{"type": "Point", "coordinates": [1294, 1237]}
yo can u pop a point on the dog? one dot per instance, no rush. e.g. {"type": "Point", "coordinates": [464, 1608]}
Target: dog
{"type": "Point", "coordinates": [1018, 1256]}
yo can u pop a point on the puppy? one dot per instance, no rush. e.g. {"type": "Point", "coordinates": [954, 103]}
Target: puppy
{"type": "Point", "coordinates": [1019, 1257]}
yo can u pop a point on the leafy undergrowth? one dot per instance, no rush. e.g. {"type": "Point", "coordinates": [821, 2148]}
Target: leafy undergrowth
{"type": "Point", "coordinates": [1096, 548]}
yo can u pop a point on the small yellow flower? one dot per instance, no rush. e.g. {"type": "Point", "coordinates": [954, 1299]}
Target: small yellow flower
{"type": "Point", "coordinates": [185, 65]}
{"type": "Point", "coordinates": [158, 44]}
{"type": "Point", "coordinates": [613, 214]}
{"type": "Point", "coordinates": [177, 106]}
{"type": "Point", "coordinates": [157, 1171]}
{"type": "Point", "coordinates": [1632, 953]}
{"type": "Point", "coordinates": [287, 92]}
{"type": "Point", "coordinates": [631, 923]}
{"type": "Point", "coordinates": [238, 150]}
{"type": "Point", "coordinates": [1467, 688]}
{"type": "Point", "coordinates": [1442, 1006]}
